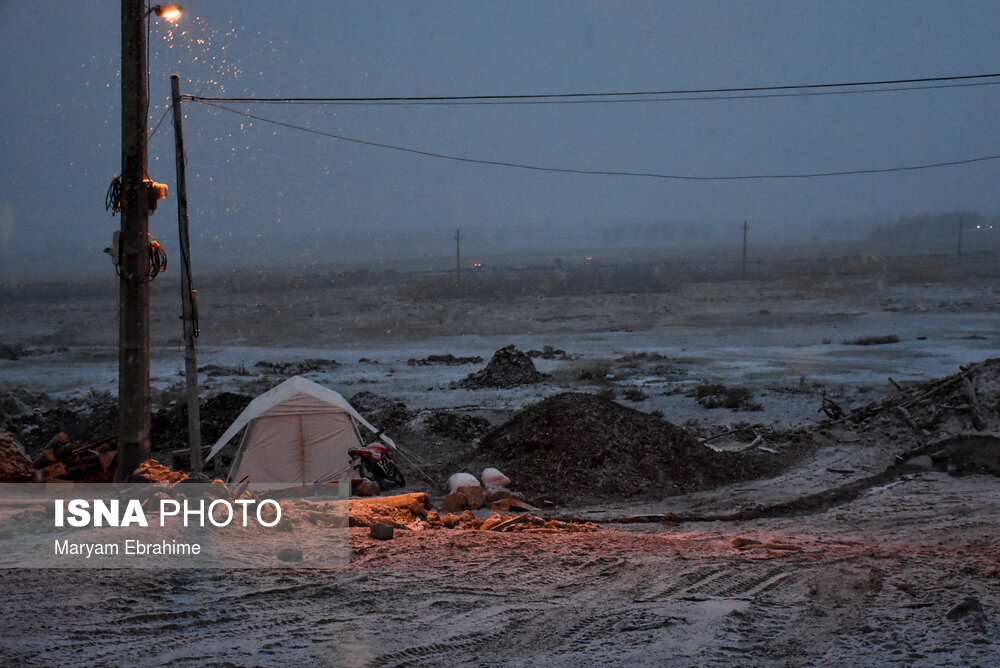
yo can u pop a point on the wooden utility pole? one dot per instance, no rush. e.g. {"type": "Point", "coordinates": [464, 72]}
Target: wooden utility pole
{"type": "Point", "coordinates": [458, 258]}
{"type": "Point", "coordinates": [133, 287]}
{"type": "Point", "coordinates": [744, 274]}
{"type": "Point", "coordinates": [188, 295]}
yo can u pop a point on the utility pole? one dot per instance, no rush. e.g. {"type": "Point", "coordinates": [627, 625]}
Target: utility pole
{"type": "Point", "coordinates": [458, 259]}
{"type": "Point", "coordinates": [744, 274]}
{"type": "Point", "coordinates": [189, 311]}
{"type": "Point", "coordinates": [958, 250]}
{"type": "Point", "coordinates": [133, 286]}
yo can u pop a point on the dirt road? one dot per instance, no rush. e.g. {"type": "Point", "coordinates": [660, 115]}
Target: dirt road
{"type": "Point", "coordinates": [905, 574]}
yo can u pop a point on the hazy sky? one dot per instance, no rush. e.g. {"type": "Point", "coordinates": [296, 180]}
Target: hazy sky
{"type": "Point", "coordinates": [263, 193]}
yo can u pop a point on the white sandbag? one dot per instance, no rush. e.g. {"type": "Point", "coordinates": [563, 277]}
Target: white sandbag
{"type": "Point", "coordinates": [493, 478]}
{"type": "Point", "coordinates": [461, 480]}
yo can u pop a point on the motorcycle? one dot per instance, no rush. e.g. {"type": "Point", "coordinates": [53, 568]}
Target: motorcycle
{"type": "Point", "coordinates": [373, 461]}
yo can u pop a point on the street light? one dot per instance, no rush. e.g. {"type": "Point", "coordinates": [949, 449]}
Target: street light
{"type": "Point", "coordinates": [168, 12]}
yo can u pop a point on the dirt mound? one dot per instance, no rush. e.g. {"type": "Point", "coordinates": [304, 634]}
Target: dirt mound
{"type": "Point", "coordinates": [169, 428]}
{"type": "Point", "coordinates": [580, 446]}
{"type": "Point", "coordinates": [509, 367]}
{"type": "Point", "coordinates": [456, 425]}
{"type": "Point", "coordinates": [383, 413]}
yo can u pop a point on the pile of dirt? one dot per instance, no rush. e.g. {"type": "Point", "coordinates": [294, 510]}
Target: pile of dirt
{"type": "Point", "coordinates": [383, 413]}
{"type": "Point", "coordinates": [169, 427]}
{"type": "Point", "coordinates": [454, 425]}
{"type": "Point", "coordinates": [576, 447]}
{"type": "Point", "coordinates": [509, 367]}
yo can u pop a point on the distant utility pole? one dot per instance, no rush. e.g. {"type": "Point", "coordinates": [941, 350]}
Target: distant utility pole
{"type": "Point", "coordinates": [744, 273]}
{"type": "Point", "coordinates": [458, 258]}
{"type": "Point", "coordinates": [958, 250]}
{"type": "Point", "coordinates": [133, 286]}
{"type": "Point", "coordinates": [189, 312]}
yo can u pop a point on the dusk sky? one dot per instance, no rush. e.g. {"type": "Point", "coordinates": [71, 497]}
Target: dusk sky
{"type": "Point", "coordinates": [265, 194]}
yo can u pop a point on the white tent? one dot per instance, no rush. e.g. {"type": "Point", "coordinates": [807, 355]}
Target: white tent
{"type": "Point", "coordinates": [296, 432]}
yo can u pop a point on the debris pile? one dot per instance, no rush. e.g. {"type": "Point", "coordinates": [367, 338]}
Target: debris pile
{"type": "Point", "coordinates": [509, 367]}
{"type": "Point", "coordinates": [77, 461]}
{"type": "Point", "coordinates": [575, 447]}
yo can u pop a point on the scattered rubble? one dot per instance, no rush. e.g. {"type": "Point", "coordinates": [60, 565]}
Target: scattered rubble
{"type": "Point", "coordinates": [290, 369]}
{"type": "Point", "coordinates": [509, 367]}
{"type": "Point", "coordinates": [549, 353]}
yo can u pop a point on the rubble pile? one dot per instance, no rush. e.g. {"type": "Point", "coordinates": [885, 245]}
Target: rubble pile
{"type": "Point", "coordinates": [955, 420]}
{"type": "Point", "coordinates": [509, 367]}
{"type": "Point", "coordinates": [575, 447]}
{"type": "Point", "coordinates": [76, 461]}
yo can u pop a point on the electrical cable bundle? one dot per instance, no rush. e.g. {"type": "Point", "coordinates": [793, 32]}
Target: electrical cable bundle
{"type": "Point", "coordinates": [113, 200]}
{"type": "Point", "coordinates": [157, 258]}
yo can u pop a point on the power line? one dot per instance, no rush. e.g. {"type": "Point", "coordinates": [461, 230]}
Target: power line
{"type": "Point", "coordinates": [644, 100]}
{"type": "Point", "coordinates": [595, 172]}
{"type": "Point", "coordinates": [552, 97]}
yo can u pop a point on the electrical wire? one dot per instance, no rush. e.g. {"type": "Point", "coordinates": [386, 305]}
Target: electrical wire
{"type": "Point", "coordinates": [477, 103]}
{"type": "Point", "coordinates": [157, 258]}
{"type": "Point", "coordinates": [160, 122]}
{"type": "Point", "coordinates": [554, 97]}
{"type": "Point", "coordinates": [599, 172]}
{"type": "Point", "coordinates": [113, 198]}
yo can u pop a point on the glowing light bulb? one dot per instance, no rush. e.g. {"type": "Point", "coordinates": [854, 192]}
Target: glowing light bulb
{"type": "Point", "coordinates": [168, 12]}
